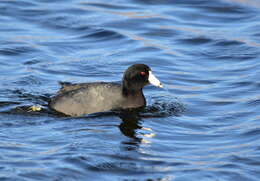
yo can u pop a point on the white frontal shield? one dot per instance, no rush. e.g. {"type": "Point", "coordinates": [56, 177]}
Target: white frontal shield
{"type": "Point", "coordinates": [153, 80]}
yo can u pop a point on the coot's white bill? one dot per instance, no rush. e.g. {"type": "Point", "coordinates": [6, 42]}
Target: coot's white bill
{"type": "Point", "coordinates": [153, 80]}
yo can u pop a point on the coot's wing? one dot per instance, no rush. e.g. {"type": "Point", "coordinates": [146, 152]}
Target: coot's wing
{"type": "Point", "coordinates": [67, 86]}
{"type": "Point", "coordinates": [87, 98]}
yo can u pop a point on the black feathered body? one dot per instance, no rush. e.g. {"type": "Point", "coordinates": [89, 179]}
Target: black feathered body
{"type": "Point", "coordinates": [86, 98]}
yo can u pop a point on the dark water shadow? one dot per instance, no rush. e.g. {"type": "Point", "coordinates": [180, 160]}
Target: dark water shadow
{"type": "Point", "coordinates": [130, 123]}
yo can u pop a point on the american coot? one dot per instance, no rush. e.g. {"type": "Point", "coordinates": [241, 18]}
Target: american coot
{"type": "Point", "coordinates": [86, 98]}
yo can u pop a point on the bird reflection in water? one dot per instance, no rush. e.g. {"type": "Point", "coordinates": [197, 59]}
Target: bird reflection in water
{"type": "Point", "coordinates": [131, 125]}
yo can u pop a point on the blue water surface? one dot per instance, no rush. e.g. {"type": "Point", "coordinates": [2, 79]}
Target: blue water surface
{"type": "Point", "coordinates": [204, 125]}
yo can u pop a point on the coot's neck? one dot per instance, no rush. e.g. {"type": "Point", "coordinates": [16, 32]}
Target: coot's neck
{"type": "Point", "coordinates": [133, 94]}
{"type": "Point", "coordinates": [129, 90]}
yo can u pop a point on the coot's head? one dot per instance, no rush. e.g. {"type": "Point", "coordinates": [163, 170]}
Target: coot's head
{"type": "Point", "coordinates": [137, 76]}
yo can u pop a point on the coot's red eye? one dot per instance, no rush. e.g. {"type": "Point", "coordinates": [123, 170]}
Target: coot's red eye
{"type": "Point", "coordinates": [142, 73]}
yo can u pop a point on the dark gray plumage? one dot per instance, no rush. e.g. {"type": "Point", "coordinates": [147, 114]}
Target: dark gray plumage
{"type": "Point", "coordinates": [86, 98]}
